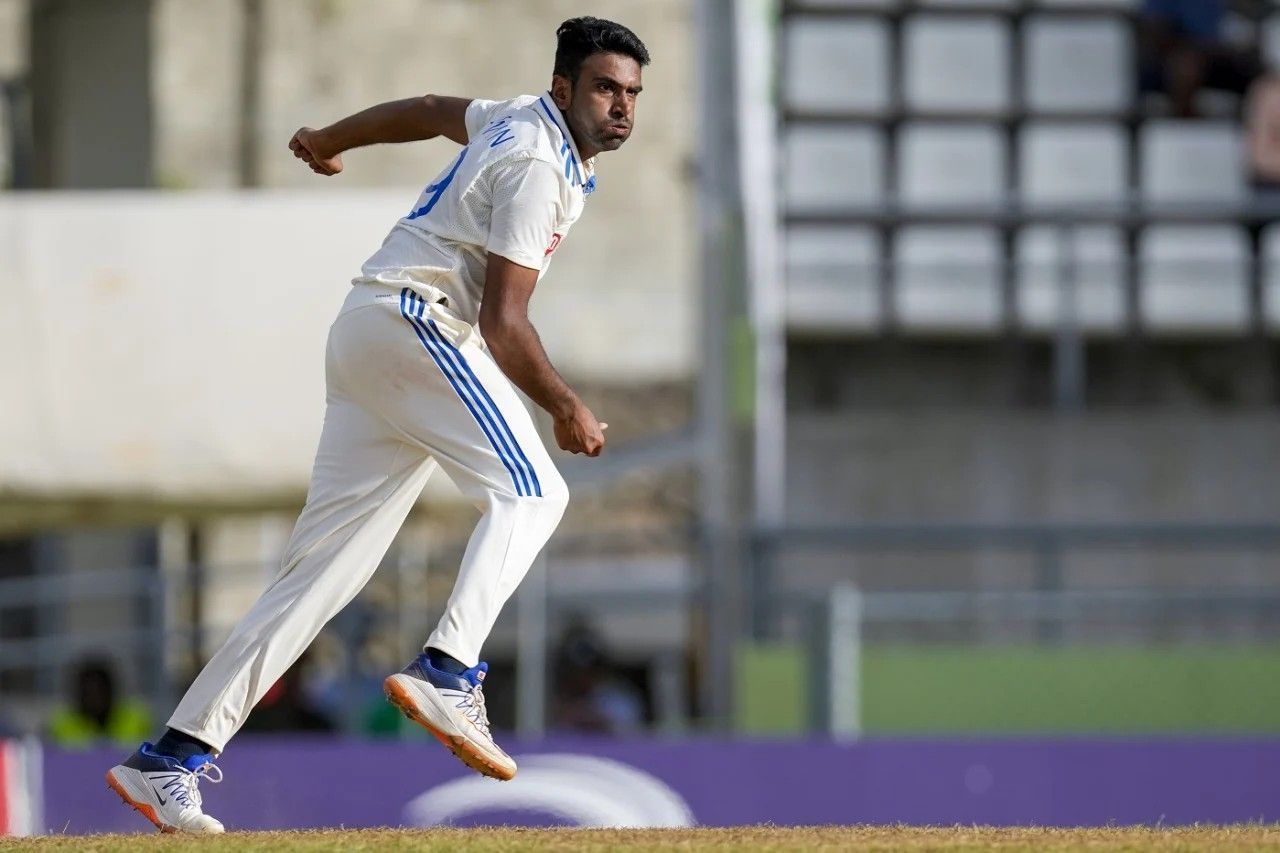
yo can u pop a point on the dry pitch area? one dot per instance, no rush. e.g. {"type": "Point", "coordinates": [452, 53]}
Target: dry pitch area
{"type": "Point", "coordinates": [744, 838]}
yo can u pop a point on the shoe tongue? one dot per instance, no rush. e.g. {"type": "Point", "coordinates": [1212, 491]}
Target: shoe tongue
{"type": "Point", "coordinates": [475, 675]}
{"type": "Point", "coordinates": [195, 762]}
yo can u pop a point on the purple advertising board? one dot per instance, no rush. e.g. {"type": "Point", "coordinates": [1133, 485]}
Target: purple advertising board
{"type": "Point", "coordinates": [302, 782]}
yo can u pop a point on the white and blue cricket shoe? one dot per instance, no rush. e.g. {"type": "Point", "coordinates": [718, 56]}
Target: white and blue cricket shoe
{"type": "Point", "coordinates": [451, 707]}
{"type": "Point", "coordinates": [165, 790]}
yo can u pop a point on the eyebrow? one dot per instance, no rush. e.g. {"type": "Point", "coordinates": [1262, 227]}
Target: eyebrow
{"type": "Point", "coordinates": [601, 78]}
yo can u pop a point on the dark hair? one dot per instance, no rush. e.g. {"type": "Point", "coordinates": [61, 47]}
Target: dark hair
{"type": "Point", "coordinates": [578, 38]}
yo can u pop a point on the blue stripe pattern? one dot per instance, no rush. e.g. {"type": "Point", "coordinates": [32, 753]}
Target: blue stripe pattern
{"type": "Point", "coordinates": [437, 189]}
{"type": "Point", "coordinates": [570, 160]}
{"type": "Point", "coordinates": [473, 395]}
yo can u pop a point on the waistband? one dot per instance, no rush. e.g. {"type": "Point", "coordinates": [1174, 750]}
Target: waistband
{"type": "Point", "coordinates": [370, 292]}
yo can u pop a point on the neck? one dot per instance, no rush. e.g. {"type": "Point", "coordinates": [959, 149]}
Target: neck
{"type": "Point", "coordinates": [584, 151]}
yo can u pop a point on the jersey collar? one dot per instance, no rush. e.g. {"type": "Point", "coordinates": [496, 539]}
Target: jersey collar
{"type": "Point", "coordinates": [581, 173]}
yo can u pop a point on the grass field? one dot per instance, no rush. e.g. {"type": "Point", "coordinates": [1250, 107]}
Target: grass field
{"type": "Point", "coordinates": [742, 838]}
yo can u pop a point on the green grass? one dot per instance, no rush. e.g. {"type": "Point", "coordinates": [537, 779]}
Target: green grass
{"type": "Point", "coordinates": [742, 838]}
{"type": "Point", "coordinates": [1080, 689]}
{"type": "Point", "coordinates": [1111, 689]}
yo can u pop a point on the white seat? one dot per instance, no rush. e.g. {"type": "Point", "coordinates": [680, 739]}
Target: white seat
{"type": "Point", "coordinates": [969, 4]}
{"type": "Point", "coordinates": [1096, 264]}
{"type": "Point", "coordinates": [833, 276]}
{"type": "Point", "coordinates": [1115, 4]}
{"type": "Point", "coordinates": [833, 168]}
{"type": "Point", "coordinates": [1270, 38]}
{"type": "Point", "coordinates": [1077, 65]}
{"type": "Point", "coordinates": [1194, 278]}
{"type": "Point", "coordinates": [945, 164]}
{"type": "Point", "coordinates": [837, 65]}
{"type": "Point", "coordinates": [947, 278]}
{"type": "Point", "coordinates": [1073, 163]}
{"type": "Point", "coordinates": [1191, 161]}
{"type": "Point", "coordinates": [1270, 256]}
{"type": "Point", "coordinates": [956, 63]}
{"type": "Point", "coordinates": [846, 4]}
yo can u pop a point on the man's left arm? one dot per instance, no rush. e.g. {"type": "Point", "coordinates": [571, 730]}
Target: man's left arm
{"type": "Point", "coordinates": [406, 120]}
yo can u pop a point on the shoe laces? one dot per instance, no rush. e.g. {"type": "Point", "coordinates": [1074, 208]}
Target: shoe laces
{"type": "Point", "coordinates": [474, 710]}
{"type": "Point", "coordinates": [185, 784]}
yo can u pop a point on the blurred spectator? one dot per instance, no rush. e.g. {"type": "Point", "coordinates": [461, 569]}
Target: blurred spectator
{"type": "Point", "coordinates": [1262, 124]}
{"type": "Point", "coordinates": [96, 713]}
{"type": "Point", "coordinates": [1182, 49]}
{"type": "Point", "coordinates": [8, 726]}
{"type": "Point", "coordinates": [287, 705]}
{"type": "Point", "coordinates": [588, 696]}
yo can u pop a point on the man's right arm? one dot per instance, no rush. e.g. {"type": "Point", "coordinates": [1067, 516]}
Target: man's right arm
{"type": "Point", "coordinates": [516, 347]}
{"type": "Point", "coordinates": [407, 120]}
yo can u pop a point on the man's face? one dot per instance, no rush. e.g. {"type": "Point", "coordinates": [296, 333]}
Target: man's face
{"type": "Point", "coordinates": [601, 108]}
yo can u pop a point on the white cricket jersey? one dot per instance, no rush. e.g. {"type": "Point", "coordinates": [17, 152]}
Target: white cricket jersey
{"type": "Point", "coordinates": [515, 189]}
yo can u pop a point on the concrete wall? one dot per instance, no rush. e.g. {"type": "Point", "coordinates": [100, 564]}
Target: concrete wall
{"type": "Point", "coordinates": [13, 37]}
{"type": "Point", "coordinates": [633, 252]}
{"type": "Point", "coordinates": [956, 464]}
{"type": "Point", "coordinates": [950, 464]}
{"type": "Point", "coordinates": [90, 74]}
{"type": "Point", "coordinates": [171, 344]}
{"type": "Point", "coordinates": [13, 59]}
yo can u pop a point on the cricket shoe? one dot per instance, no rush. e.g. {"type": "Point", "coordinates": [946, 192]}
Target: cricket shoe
{"type": "Point", "coordinates": [451, 707]}
{"type": "Point", "coordinates": [165, 790]}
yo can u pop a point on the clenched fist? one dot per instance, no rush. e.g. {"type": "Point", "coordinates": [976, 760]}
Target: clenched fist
{"type": "Point", "coordinates": [310, 147]}
{"type": "Point", "coordinates": [580, 432]}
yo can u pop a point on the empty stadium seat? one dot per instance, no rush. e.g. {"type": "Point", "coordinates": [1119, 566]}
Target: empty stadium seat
{"type": "Point", "coordinates": [1270, 38]}
{"type": "Point", "coordinates": [1097, 264]}
{"type": "Point", "coordinates": [1110, 4]}
{"type": "Point", "coordinates": [1193, 278]}
{"type": "Point", "coordinates": [1191, 161]}
{"type": "Point", "coordinates": [833, 168]}
{"type": "Point", "coordinates": [846, 4]}
{"type": "Point", "coordinates": [956, 63]}
{"type": "Point", "coordinates": [832, 277]}
{"type": "Point", "coordinates": [970, 4]}
{"type": "Point", "coordinates": [947, 278]}
{"type": "Point", "coordinates": [941, 164]}
{"type": "Point", "coordinates": [1072, 163]}
{"type": "Point", "coordinates": [1077, 64]}
{"type": "Point", "coordinates": [1270, 257]}
{"type": "Point", "coordinates": [837, 65]}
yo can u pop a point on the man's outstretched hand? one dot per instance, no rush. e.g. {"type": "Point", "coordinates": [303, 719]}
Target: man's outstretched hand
{"type": "Point", "coordinates": [309, 146]}
{"type": "Point", "coordinates": [580, 432]}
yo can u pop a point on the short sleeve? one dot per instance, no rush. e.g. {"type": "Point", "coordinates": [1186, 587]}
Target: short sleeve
{"type": "Point", "coordinates": [477, 115]}
{"type": "Point", "coordinates": [526, 207]}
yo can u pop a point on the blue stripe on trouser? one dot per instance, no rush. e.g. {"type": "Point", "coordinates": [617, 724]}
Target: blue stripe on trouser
{"type": "Point", "coordinates": [505, 441]}
{"type": "Point", "coordinates": [502, 427]}
{"type": "Point", "coordinates": [408, 301]}
{"type": "Point", "coordinates": [472, 393]}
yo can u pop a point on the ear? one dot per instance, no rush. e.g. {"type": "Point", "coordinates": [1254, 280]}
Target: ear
{"type": "Point", "coordinates": [561, 91]}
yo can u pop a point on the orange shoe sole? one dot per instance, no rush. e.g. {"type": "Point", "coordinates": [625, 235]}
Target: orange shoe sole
{"type": "Point", "coordinates": [141, 808]}
{"type": "Point", "coordinates": [458, 745]}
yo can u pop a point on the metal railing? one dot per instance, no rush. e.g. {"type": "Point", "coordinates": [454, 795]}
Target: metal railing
{"type": "Point", "coordinates": [1049, 603]}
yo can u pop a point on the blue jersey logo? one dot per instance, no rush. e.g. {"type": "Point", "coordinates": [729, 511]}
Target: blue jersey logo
{"type": "Point", "coordinates": [437, 188]}
{"type": "Point", "coordinates": [498, 132]}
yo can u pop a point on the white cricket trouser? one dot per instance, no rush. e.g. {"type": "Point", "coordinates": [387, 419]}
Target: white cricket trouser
{"type": "Point", "coordinates": [408, 387]}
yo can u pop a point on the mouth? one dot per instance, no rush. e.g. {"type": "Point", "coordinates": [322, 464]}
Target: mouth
{"type": "Point", "coordinates": [620, 128]}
